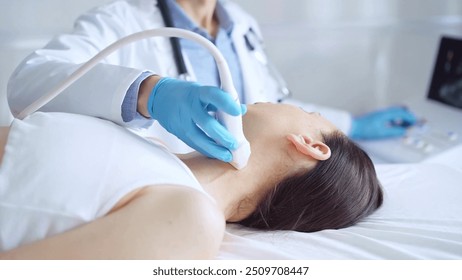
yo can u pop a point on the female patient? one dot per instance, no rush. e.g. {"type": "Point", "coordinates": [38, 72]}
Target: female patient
{"type": "Point", "coordinates": [77, 187]}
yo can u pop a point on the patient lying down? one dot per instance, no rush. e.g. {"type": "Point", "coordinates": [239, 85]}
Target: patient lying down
{"type": "Point", "coordinates": [303, 175]}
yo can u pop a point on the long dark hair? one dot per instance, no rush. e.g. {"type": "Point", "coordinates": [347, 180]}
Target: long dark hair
{"type": "Point", "coordinates": [336, 193]}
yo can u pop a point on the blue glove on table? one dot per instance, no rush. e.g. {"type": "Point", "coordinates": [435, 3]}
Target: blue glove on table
{"type": "Point", "coordinates": [390, 122]}
{"type": "Point", "coordinates": [182, 108]}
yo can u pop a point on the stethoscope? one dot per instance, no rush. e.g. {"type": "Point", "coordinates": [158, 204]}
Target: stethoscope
{"type": "Point", "coordinates": [253, 45]}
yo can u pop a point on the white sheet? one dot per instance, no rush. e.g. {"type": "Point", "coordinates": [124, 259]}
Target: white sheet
{"type": "Point", "coordinates": [421, 218]}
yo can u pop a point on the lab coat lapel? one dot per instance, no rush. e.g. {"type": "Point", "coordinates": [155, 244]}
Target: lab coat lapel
{"type": "Point", "coordinates": [252, 70]}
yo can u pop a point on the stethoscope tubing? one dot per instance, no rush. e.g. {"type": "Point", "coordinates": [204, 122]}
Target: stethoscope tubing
{"type": "Point", "coordinates": [175, 42]}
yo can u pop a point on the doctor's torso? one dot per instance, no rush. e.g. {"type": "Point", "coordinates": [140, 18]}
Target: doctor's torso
{"type": "Point", "coordinates": [101, 92]}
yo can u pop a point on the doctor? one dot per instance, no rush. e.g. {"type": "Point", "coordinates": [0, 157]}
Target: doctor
{"type": "Point", "coordinates": [148, 83]}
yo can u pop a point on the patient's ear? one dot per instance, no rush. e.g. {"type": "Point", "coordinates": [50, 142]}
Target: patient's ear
{"type": "Point", "coordinates": [310, 147]}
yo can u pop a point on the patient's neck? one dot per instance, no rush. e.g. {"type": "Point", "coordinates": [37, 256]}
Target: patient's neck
{"type": "Point", "coordinates": [3, 138]}
{"type": "Point", "coordinates": [227, 185]}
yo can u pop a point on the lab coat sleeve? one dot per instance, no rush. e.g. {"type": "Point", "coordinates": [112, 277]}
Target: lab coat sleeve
{"type": "Point", "coordinates": [98, 93]}
{"type": "Point", "coordinates": [130, 104]}
{"type": "Point", "coordinates": [340, 118]}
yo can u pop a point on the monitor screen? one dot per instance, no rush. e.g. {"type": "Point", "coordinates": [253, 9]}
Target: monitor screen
{"type": "Point", "coordinates": [446, 84]}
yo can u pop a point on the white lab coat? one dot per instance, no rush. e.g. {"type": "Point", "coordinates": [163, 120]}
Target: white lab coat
{"type": "Point", "coordinates": [101, 91]}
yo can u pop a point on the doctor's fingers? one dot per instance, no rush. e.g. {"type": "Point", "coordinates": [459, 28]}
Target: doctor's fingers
{"type": "Point", "coordinates": [200, 142]}
{"type": "Point", "coordinates": [211, 108]}
{"type": "Point", "coordinates": [215, 130]}
{"type": "Point", "coordinates": [400, 114]}
{"type": "Point", "coordinates": [219, 100]}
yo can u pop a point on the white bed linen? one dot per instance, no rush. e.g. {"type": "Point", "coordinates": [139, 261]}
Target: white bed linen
{"type": "Point", "coordinates": [421, 218]}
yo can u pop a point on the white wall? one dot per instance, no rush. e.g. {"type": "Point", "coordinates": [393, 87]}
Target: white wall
{"type": "Point", "coordinates": [358, 66]}
{"type": "Point", "coordinates": [322, 11]}
{"type": "Point", "coordinates": [354, 54]}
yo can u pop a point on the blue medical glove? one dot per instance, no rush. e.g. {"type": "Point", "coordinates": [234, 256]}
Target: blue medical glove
{"type": "Point", "coordinates": [182, 108]}
{"type": "Point", "coordinates": [390, 122]}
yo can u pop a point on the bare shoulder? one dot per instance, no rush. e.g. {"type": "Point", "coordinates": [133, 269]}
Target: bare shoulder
{"type": "Point", "coordinates": [181, 214]}
{"type": "Point", "coordinates": [186, 201]}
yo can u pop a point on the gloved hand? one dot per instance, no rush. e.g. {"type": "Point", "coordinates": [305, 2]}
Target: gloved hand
{"type": "Point", "coordinates": [390, 122]}
{"type": "Point", "coordinates": [182, 108]}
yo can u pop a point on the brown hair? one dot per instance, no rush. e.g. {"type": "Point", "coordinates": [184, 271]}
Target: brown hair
{"type": "Point", "coordinates": [336, 193]}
